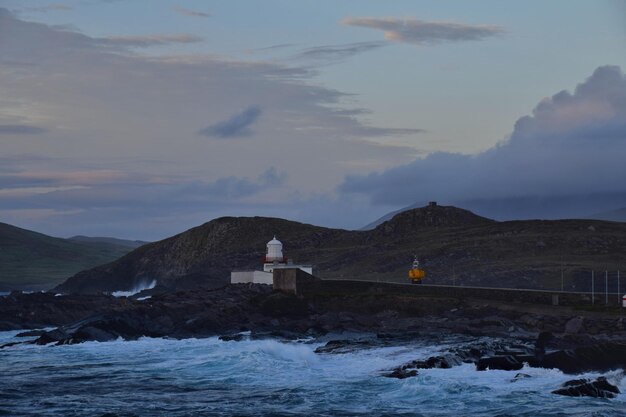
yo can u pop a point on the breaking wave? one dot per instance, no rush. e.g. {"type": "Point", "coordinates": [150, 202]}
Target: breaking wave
{"type": "Point", "coordinates": [161, 377]}
{"type": "Point", "coordinates": [135, 290]}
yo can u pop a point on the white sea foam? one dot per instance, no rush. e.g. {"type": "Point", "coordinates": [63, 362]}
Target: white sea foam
{"type": "Point", "coordinates": [270, 377]}
{"type": "Point", "coordinates": [136, 289]}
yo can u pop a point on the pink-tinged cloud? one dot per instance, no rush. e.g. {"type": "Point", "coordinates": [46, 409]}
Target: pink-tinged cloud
{"type": "Point", "coordinates": [422, 32]}
{"type": "Point", "coordinates": [77, 177]}
{"type": "Point", "coordinates": [149, 40]}
{"type": "Point", "coordinates": [191, 13]}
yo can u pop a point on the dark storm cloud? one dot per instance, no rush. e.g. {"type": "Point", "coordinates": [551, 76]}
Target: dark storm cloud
{"type": "Point", "coordinates": [572, 144]}
{"type": "Point", "coordinates": [21, 130]}
{"type": "Point", "coordinates": [421, 32]}
{"type": "Point", "coordinates": [236, 126]}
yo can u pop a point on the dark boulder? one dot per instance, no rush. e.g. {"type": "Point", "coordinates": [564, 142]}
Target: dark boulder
{"type": "Point", "coordinates": [342, 346]}
{"type": "Point", "coordinates": [440, 362]}
{"type": "Point", "coordinates": [402, 373]}
{"type": "Point", "coordinates": [86, 333]}
{"type": "Point", "coordinates": [503, 362]}
{"type": "Point", "coordinates": [231, 337]}
{"type": "Point", "coordinates": [599, 357]}
{"type": "Point", "coordinates": [53, 336]}
{"type": "Point", "coordinates": [575, 358]}
{"type": "Point", "coordinates": [600, 388]}
{"type": "Point", "coordinates": [31, 333]}
{"type": "Point", "coordinates": [410, 369]}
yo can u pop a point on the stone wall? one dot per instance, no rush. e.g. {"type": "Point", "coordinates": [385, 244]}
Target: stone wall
{"type": "Point", "coordinates": [292, 280]}
{"type": "Point", "coordinates": [335, 287]}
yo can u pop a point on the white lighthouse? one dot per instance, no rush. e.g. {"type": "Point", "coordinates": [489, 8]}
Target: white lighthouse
{"type": "Point", "coordinates": [274, 259]}
{"type": "Point", "coordinates": [274, 251]}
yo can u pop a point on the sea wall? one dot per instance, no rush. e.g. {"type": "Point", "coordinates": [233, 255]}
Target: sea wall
{"type": "Point", "coordinates": [308, 286]}
{"type": "Point", "coordinates": [292, 280]}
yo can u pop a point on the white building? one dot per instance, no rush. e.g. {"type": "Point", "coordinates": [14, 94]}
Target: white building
{"type": "Point", "coordinates": [274, 259]}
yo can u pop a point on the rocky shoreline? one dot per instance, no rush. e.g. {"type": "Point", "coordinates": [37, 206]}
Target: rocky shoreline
{"type": "Point", "coordinates": [573, 342]}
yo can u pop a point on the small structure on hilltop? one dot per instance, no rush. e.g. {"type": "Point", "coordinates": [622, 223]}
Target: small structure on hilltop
{"type": "Point", "coordinates": [274, 259]}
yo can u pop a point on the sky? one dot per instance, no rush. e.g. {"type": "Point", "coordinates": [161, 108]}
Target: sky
{"type": "Point", "coordinates": [142, 118]}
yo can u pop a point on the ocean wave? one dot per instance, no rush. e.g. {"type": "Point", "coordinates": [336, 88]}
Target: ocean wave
{"type": "Point", "coordinates": [153, 376]}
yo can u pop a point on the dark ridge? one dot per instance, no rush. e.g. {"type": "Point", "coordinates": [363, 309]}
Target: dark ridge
{"type": "Point", "coordinates": [455, 246]}
{"type": "Point", "coordinates": [432, 215]}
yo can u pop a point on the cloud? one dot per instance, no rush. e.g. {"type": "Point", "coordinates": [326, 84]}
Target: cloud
{"type": "Point", "coordinates": [339, 52]}
{"type": "Point", "coordinates": [277, 46]}
{"type": "Point", "coordinates": [421, 32]}
{"type": "Point", "coordinates": [10, 129]}
{"type": "Point", "coordinates": [271, 177]}
{"type": "Point", "coordinates": [236, 126]}
{"type": "Point", "coordinates": [50, 7]}
{"type": "Point", "coordinates": [571, 145]}
{"type": "Point", "coordinates": [232, 188]}
{"type": "Point", "coordinates": [191, 13]}
{"type": "Point", "coordinates": [389, 131]}
{"type": "Point", "coordinates": [149, 40]}
{"type": "Point", "coordinates": [17, 192]}
{"type": "Point", "coordinates": [143, 200]}
{"type": "Point", "coordinates": [117, 126]}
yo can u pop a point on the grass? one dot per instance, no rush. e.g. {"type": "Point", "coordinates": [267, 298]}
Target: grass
{"type": "Point", "coordinates": [34, 261]}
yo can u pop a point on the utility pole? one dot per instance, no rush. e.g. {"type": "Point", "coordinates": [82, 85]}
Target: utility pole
{"type": "Point", "coordinates": [592, 288]}
{"type": "Point", "coordinates": [606, 287]}
{"type": "Point", "coordinates": [619, 294]}
{"type": "Point", "coordinates": [561, 273]}
{"type": "Point", "coordinates": [453, 277]}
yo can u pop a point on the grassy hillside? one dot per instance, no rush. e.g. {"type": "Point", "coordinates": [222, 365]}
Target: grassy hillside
{"type": "Point", "coordinates": [34, 261]}
{"type": "Point", "coordinates": [455, 246]}
{"type": "Point", "coordinates": [133, 244]}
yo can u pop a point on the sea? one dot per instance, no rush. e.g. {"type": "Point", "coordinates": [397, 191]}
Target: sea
{"type": "Point", "coordinates": [211, 377]}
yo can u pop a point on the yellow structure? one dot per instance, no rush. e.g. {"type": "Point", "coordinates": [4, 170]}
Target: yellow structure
{"type": "Point", "coordinates": [416, 274]}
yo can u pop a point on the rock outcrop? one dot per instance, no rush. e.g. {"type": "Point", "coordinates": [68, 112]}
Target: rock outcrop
{"type": "Point", "coordinates": [599, 388]}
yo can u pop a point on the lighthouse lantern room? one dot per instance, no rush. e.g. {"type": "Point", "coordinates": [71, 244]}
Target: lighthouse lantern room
{"type": "Point", "coordinates": [274, 251]}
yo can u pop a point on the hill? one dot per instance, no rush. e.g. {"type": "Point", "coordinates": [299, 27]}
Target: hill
{"type": "Point", "coordinates": [454, 245]}
{"type": "Point", "coordinates": [34, 261]}
{"type": "Point", "coordinates": [618, 215]}
{"type": "Point", "coordinates": [388, 216]}
{"type": "Point", "coordinates": [133, 244]}
{"type": "Point", "coordinates": [556, 207]}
